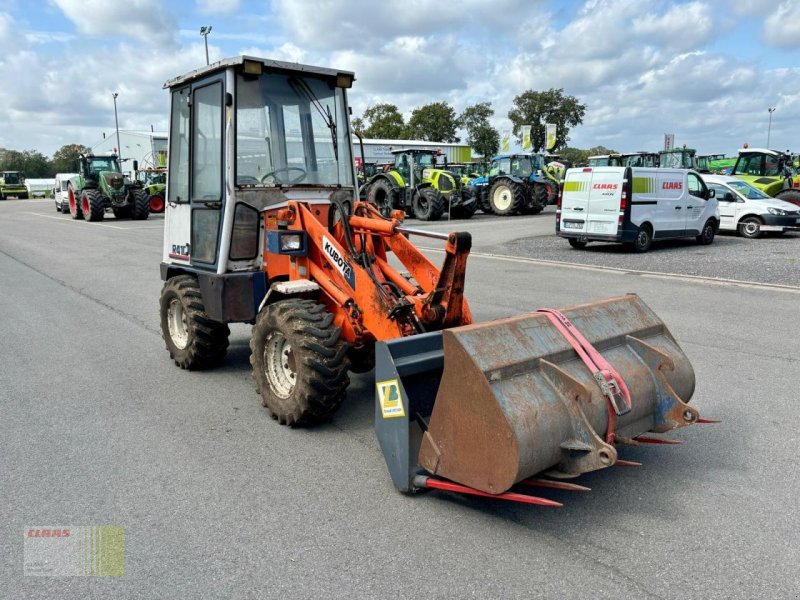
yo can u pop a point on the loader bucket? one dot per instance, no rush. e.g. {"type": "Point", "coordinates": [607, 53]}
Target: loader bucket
{"type": "Point", "coordinates": [492, 404]}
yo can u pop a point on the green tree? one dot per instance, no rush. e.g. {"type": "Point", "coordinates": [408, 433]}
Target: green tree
{"type": "Point", "coordinates": [538, 108]}
{"type": "Point", "coordinates": [434, 122]}
{"type": "Point", "coordinates": [65, 157]}
{"type": "Point", "coordinates": [30, 163]}
{"type": "Point", "coordinates": [580, 156]}
{"type": "Point", "coordinates": [383, 121]}
{"type": "Point", "coordinates": [481, 136]}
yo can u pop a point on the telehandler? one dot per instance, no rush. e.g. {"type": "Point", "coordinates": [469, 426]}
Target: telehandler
{"type": "Point", "coordinates": [263, 226]}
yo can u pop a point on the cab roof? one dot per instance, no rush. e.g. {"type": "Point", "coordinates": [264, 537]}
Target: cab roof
{"type": "Point", "coordinates": [268, 64]}
{"type": "Point", "coordinates": [760, 151]}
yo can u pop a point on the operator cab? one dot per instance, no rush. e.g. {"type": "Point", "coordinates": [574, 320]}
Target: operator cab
{"type": "Point", "coordinates": [247, 135]}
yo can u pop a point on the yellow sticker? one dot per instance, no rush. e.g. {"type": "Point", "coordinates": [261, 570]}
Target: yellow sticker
{"type": "Point", "coordinates": [390, 400]}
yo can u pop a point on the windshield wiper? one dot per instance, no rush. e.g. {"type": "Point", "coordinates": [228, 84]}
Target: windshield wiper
{"type": "Point", "coordinates": [301, 87]}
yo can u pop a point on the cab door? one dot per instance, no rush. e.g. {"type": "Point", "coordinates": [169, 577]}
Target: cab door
{"type": "Point", "coordinates": [207, 155]}
{"type": "Point", "coordinates": [695, 201]}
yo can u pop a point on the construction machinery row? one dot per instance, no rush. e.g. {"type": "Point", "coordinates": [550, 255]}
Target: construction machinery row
{"type": "Point", "coordinates": [264, 226]}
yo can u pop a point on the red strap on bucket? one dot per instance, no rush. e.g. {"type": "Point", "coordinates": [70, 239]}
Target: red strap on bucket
{"type": "Point", "coordinates": [610, 382]}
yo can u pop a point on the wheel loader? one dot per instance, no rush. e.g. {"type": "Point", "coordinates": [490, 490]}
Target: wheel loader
{"type": "Point", "coordinates": [771, 171]}
{"type": "Point", "coordinates": [263, 226]}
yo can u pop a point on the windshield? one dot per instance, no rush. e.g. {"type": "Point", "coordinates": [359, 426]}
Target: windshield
{"type": "Point", "coordinates": [425, 161]}
{"type": "Point", "coordinates": [96, 165]}
{"type": "Point", "coordinates": [291, 131]}
{"type": "Point", "coordinates": [676, 160]}
{"type": "Point", "coordinates": [11, 177]}
{"type": "Point", "coordinates": [748, 191]}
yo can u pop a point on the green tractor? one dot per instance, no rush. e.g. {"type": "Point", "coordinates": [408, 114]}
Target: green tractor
{"type": "Point", "coordinates": [771, 171]}
{"type": "Point", "coordinates": [678, 158]}
{"type": "Point", "coordinates": [100, 186]}
{"type": "Point", "coordinates": [12, 183]}
{"type": "Point", "coordinates": [418, 185]}
{"type": "Point", "coordinates": [154, 183]}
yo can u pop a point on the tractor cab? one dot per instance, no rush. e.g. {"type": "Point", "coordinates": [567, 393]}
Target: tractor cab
{"type": "Point", "coordinates": [12, 177]}
{"type": "Point", "coordinates": [678, 158]}
{"type": "Point", "coordinates": [639, 159]}
{"type": "Point", "coordinates": [91, 167]}
{"type": "Point", "coordinates": [411, 163]}
{"type": "Point", "coordinates": [247, 135]}
{"type": "Point", "coordinates": [605, 160]}
{"type": "Point", "coordinates": [771, 171]}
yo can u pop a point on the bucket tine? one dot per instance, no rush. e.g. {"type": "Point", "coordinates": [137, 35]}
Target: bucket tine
{"type": "Point", "coordinates": [556, 485]}
{"type": "Point", "coordinates": [449, 486]}
{"type": "Point", "coordinates": [643, 439]}
{"type": "Point", "coordinates": [627, 463]}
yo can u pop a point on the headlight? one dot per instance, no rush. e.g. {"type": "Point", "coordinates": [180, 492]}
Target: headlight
{"type": "Point", "coordinates": [776, 211]}
{"type": "Point", "coordinates": [290, 243]}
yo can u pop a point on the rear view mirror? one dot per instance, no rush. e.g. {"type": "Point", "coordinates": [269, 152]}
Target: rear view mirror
{"type": "Point", "coordinates": [729, 197]}
{"type": "Point", "coordinates": [712, 193]}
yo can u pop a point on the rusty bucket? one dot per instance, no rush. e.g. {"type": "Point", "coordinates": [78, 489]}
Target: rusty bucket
{"type": "Point", "coordinates": [489, 405]}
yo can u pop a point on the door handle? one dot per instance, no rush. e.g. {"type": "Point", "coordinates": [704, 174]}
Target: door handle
{"type": "Point", "coordinates": [577, 208]}
{"type": "Point", "coordinates": [690, 207]}
{"type": "Point", "coordinates": [677, 208]}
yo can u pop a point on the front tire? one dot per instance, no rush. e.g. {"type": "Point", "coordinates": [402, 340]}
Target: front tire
{"type": "Point", "coordinates": [74, 206]}
{"type": "Point", "coordinates": [140, 202]}
{"type": "Point", "coordinates": [792, 196]}
{"type": "Point", "coordinates": [506, 197]}
{"type": "Point", "coordinates": [92, 205]}
{"type": "Point", "coordinates": [380, 194]}
{"type": "Point", "coordinates": [750, 228]}
{"type": "Point", "coordinates": [299, 362]}
{"type": "Point", "coordinates": [193, 339]}
{"type": "Point", "coordinates": [156, 203]}
{"type": "Point", "coordinates": [706, 236]}
{"type": "Point", "coordinates": [428, 204]}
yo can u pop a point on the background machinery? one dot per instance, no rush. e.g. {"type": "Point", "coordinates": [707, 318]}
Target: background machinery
{"type": "Point", "coordinates": [518, 183]}
{"type": "Point", "coordinates": [154, 184]}
{"type": "Point", "coordinates": [12, 183]}
{"type": "Point", "coordinates": [771, 171]}
{"type": "Point", "coordinates": [418, 185]}
{"type": "Point", "coordinates": [101, 186]}
{"type": "Point", "coordinates": [265, 228]}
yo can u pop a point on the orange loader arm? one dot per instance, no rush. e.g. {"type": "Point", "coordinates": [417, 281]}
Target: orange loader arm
{"type": "Point", "coordinates": [370, 299]}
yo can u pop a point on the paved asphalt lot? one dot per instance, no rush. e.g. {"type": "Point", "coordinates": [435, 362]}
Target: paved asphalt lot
{"type": "Point", "coordinates": [218, 501]}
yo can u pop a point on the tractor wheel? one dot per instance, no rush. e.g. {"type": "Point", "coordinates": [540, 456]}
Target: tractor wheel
{"type": "Point", "coordinates": [74, 206]}
{"type": "Point", "coordinates": [506, 197]}
{"type": "Point", "coordinates": [428, 204]}
{"type": "Point", "coordinates": [483, 200]}
{"type": "Point", "coordinates": [706, 236]}
{"type": "Point", "coordinates": [194, 340]}
{"type": "Point", "coordinates": [140, 203]}
{"type": "Point", "coordinates": [299, 361]}
{"type": "Point", "coordinates": [465, 212]}
{"type": "Point", "coordinates": [750, 227]}
{"type": "Point", "coordinates": [156, 203]}
{"type": "Point", "coordinates": [380, 194]}
{"type": "Point", "coordinates": [792, 196]}
{"type": "Point", "coordinates": [92, 205]}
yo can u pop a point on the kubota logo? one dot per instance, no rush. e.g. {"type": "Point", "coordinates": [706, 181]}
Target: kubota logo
{"type": "Point", "coordinates": [336, 259]}
{"type": "Point", "coordinates": [605, 186]}
{"type": "Point", "coordinates": [672, 185]}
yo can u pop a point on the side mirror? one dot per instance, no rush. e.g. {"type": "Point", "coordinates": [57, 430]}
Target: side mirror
{"type": "Point", "coordinates": [711, 193]}
{"type": "Point", "coordinates": [136, 165]}
{"type": "Point", "coordinates": [729, 197]}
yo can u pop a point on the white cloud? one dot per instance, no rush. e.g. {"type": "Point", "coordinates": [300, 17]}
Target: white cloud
{"type": "Point", "coordinates": [214, 7]}
{"type": "Point", "coordinates": [144, 20]}
{"type": "Point", "coordinates": [782, 26]}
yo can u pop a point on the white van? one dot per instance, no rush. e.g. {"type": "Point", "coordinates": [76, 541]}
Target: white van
{"type": "Point", "coordinates": [750, 211]}
{"type": "Point", "coordinates": [60, 191]}
{"type": "Point", "coordinates": [635, 206]}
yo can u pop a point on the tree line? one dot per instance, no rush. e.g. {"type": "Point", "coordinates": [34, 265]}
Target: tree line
{"type": "Point", "coordinates": [35, 165]}
{"type": "Point", "coordinates": [438, 121]}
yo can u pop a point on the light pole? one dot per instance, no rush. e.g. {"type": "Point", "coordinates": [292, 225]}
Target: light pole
{"type": "Point", "coordinates": [116, 123]}
{"type": "Point", "coordinates": [204, 31]}
{"type": "Point", "coordinates": [769, 128]}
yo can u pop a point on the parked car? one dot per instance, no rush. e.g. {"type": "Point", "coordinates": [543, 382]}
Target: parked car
{"type": "Point", "coordinates": [635, 206]}
{"type": "Point", "coordinates": [748, 210]}
{"type": "Point", "coordinates": [61, 191]}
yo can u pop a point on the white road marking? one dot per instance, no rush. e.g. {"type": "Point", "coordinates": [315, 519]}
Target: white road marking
{"type": "Point", "coordinates": [67, 220]}
{"type": "Point", "coordinates": [791, 289]}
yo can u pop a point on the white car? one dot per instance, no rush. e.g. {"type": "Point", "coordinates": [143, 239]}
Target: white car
{"type": "Point", "coordinates": [750, 211]}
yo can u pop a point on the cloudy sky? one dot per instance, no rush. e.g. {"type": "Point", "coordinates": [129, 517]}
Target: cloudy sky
{"type": "Point", "coordinates": [705, 70]}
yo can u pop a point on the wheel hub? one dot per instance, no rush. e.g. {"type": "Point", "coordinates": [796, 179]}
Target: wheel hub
{"type": "Point", "coordinates": [279, 364]}
{"type": "Point", "coordinates": [177, 324]}
{"type": "Point", "coordinates": [502, 198]}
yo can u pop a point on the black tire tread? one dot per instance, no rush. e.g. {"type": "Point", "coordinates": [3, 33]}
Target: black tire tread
{"type": "Point", "coordinates": [140, 204]}
{"type": "Point", "coordinates": [435, 201]}
{"type": "Point", "coordinates": [96, 205]}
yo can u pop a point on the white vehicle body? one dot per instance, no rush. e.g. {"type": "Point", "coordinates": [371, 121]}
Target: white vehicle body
{"type": "Point", "coordinates": [617, 204]}
{"type": "Point", "coordinates": [60, 191]}
{"type": "Point", "coordinates": [745, 208]}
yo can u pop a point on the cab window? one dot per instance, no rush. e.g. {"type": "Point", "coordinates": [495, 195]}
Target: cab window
{"type": "Point", "coordinates": [720, 191]}
{"type": "Point", "coordinates": [697, 187]}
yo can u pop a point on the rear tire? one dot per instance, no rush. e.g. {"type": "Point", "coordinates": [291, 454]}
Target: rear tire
{"type": "Point", "coordinates": [750, 227]}
{"type": "Point", "coordinates": [506, 197]}
{"type": "Point", "coordinates": [74, 205]}
{"type": "Point", "coordinates": [466, 211]}
{"type": "Point", "coordinates": [792, 196]}
{"type": "Point", "coordinates": [380, 194]}
{"type": "Point", "coordinates": [706, 236]}
{"type": "Point", "coordinates": [644, 239]}
{"type": "Point", "coordinates": [428, 204]}
{"type": "Point", "coordinates": [577, 244]}
{"type": "Point", "coordinates": [140, 203]}
{"type": "Point", "coordinates": [92, 205]}
{"type": "Point", "coordinates": [194, 340]}
{"type": "Point", "coordinates": [156, 203]}
{"type": "Point", "coordinates": [299, 362]}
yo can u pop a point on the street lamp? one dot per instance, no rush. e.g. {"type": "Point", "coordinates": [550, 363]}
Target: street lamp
{"type": "Point", "coordinates": [116, 122]}
{"type": "Point", "coordinates": [204, 31]}
{"type": "Point", "coordinates": [769, 128]}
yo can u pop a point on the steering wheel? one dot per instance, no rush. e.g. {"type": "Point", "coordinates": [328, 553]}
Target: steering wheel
{"type": "Point", "coordinates": [274, 173]}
